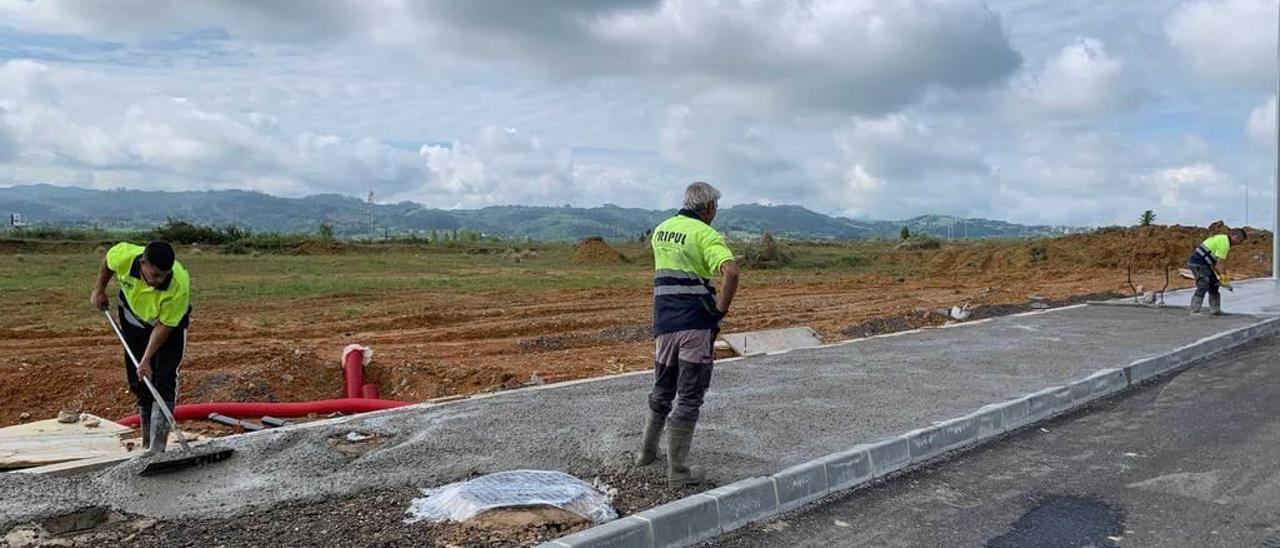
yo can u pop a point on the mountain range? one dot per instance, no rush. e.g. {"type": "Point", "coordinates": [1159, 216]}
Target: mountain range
{"type": "Point", "coordinates": [60, 206]}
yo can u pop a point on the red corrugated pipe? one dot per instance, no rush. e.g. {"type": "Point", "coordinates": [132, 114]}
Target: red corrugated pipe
{"type": "Point", "coordinates": [200, 411]}
{"type": "Point", "coordinates": [354, 358]}
{"type": "Point", "coordinates": [361, 397]}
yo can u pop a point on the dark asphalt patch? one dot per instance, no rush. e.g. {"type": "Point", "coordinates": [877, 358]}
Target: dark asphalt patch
{"type": "Point", "coordinates": [1063, 521]}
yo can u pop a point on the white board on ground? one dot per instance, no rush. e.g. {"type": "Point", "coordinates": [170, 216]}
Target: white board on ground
{"type": "Point", "coordinates": [53, 427]}
{"type": "Point", "coordinates": [752, 343]}
{"type": "Point", "coordinates": [49, 442]}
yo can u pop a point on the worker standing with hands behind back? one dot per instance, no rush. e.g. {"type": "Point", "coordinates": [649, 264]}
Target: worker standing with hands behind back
{"type": "Point", "coordinates": [1208, 262]}
{"type": "Point", "coordinates": [154, 314]}
{"type": "Point", "coordinates": [687, 253]}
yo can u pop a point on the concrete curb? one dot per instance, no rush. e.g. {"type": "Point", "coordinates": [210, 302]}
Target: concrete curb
{"type": "Point", "coordinates": [707, 515]}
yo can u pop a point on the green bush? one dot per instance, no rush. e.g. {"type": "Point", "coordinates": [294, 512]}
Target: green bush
{"type": "Point", "coordinates": [919, 243]}
{"type": "Point", "coordinates": [235, 248]}
{"type": "Point", "coordinates": [177, 231]}
{"type": "Point", "coordinates": [59, 233]}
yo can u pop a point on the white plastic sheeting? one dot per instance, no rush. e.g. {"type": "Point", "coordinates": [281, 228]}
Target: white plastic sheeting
{"type": "Point", "coordinates": [514, 489]}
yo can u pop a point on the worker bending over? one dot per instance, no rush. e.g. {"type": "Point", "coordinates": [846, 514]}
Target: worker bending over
{"type": "Point", "coordinates": [154, 314]}
{"type": "Point", "coordinates": [1209, 264]}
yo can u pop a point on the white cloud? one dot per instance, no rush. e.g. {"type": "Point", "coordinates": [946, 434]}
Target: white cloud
{"type": "Point", "coordinates": [886, 108]}
{"type": "Point", "coordinates": [1082, 79]}
{"type": "Point", "coordinates": [1228, 43]}
{"type": "Point", "coordinates": [1261, 127]}
{"type": "Point", "coordinates": [862, 56]}
{"type": "Point", "coordinates": [1185, 188]}
{"type": "Point", "coordinates": [500, 166]}
{"type": "Point", "coordinates": [67, 118]}
{"type": "Point", "coordinates": [281, 20]}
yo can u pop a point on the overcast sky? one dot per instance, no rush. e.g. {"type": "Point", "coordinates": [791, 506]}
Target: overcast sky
{"type": "Point", "coordinates": [1034, 111]}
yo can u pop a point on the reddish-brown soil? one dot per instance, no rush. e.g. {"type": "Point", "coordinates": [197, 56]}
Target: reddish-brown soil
{"type": "Point", "coordinates": [431, 344]}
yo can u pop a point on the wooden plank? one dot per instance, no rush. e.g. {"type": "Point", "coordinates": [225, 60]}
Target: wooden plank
{"type": "Point", "coordinates": [71, 468]}
{"type": "Point", "coordinates": [50, 449]}
{"type": "Point", "coordinates": [53, 427]}
{"type": "Point", "coordinates": [50, 442]}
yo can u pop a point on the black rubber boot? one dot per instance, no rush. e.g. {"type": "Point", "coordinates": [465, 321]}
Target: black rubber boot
{"type": "Point", "coordinates": [653, 424]}
{"type": "Point", "coordinates": [144, 427]}
{"type": "Point", "coordinates": [1215, 305]}
{"type": "Point", "coordinates": [1196, 302]}
{"type": "Point", "coordinates": [679, 441]}
{"type": "Point", "coordinates": [159, 431]}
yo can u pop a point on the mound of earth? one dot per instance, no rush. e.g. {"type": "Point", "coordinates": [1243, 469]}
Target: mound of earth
{"type": "Point", "coordinates": [1150, 248]}
{"type": "Point", "coordinates": [594, 250]}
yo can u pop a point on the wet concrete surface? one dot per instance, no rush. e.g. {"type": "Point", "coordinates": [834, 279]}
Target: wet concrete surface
{"type": "Point", "coordinates": [762, 414]}
{"type": "Point", "coordinates": [1193, 461]}
{"type": "Point", "coordinates": [1254, 297]}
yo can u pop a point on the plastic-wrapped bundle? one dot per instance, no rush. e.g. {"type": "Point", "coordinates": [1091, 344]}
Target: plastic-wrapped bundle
{"type": "Point", "coordinates": [514, 489]}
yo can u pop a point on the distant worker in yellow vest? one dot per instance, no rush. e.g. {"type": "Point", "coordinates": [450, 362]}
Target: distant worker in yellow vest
{"type": "Point", "coordinates": [687, 254]}
{"type": "Point", "coordinates": [1209, 264]}
{"type": "Point", "coordinates": [154, 311]}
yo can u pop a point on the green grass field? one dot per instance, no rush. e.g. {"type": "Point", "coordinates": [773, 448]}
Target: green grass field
{"type": "Point", "coordinates": [49, 290]}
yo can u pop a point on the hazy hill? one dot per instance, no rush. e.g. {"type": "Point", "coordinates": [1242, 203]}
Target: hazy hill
{"type": "Point", "coordinates": [70, 206]}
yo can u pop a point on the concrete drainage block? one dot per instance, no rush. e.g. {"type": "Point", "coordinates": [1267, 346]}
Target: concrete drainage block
{"type": "Point", "coordinates": [889, 456]}
{"type": "Point", "coordinates": [1016, 413]}
{"type": "Point", "coordinates": [988, 421]}
{"type": "Point", "coordinates": [848, 469]}
{"type": "Point", "coordinates": [801, 484]}
{"type": "Point", "coordinates": [1146, 368]}
{"type": "Point", "coordinates": [742, 502]}
{"type": "Point", "coordinates": [683, 522]}
{"type": "Point", "coordinates": [1048, 402]}
{"type": "Point", "coordinates": [628, 532]}
{"type": "Point", "coordinates": [925, 443]}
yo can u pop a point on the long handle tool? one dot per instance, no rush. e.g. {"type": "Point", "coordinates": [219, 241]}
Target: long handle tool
{"type": "Point", "coordinates": [160, 464]}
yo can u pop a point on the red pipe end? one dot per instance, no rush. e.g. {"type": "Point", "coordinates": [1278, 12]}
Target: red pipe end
{"type": "Point", "coordinates": [354, 358]}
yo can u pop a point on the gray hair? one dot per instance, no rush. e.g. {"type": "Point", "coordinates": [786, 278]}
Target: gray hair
{"type": "Point", "coordinates": [700, 196]}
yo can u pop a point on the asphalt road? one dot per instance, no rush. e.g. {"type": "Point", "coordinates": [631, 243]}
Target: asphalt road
{"type": "Point", "coordinates": [1193, 460]}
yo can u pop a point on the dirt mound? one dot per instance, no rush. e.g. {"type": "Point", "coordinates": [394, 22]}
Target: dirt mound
{"type": "Point", "coordinates": [312, 247]}
{"type": "Point", "coordinates": [594, 250]}
{"type": "Point", "coordinates": [1151, 248]}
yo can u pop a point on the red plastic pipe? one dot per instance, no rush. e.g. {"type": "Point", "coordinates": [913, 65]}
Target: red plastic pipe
{"type": "Point", "coordinates": [371, 391]}
{"type": "Point", "coordinates": [353, 370]}
{"type": "Point", "coordinates": [197, 411]}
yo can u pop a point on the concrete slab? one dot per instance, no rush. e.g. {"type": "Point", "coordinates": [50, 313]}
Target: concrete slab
{"type": "Point", "coordinates": [762, 414]}
{"type": "Point", "coordinates": [754, 343]}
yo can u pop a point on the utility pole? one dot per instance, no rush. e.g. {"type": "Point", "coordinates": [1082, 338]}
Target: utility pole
{"type": "Point", "coordinates": [1275, 224]}
{"type": "Point", "coordinates": [368, 213]}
